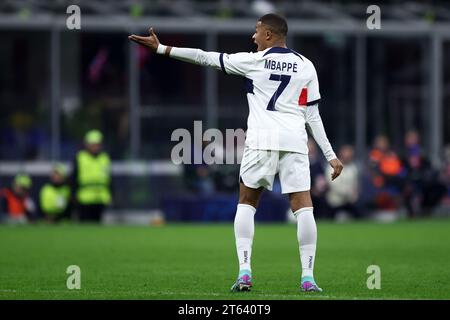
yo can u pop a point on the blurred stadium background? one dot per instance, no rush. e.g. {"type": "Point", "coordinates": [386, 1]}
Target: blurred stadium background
{"type": "Point", "coordinates": [56, 84]}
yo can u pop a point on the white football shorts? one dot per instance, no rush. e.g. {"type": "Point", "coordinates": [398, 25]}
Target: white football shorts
{"type": "Point", "coordinates": [259, 167]}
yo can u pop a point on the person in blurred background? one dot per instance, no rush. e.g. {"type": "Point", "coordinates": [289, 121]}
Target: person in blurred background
{"type": "Point", "coordinates": [422, 190]}
{"type": "Point", "coordinates": [16, 205]}
{"type": "Point", "coordinates": [445, 178]}
{"type": "Point", "coordinates": [343, 193]}
{"type": "Point", "coordinates": [91, 179]}
{"type": "Point", "coordinates": [54, 197]}
{"type": "Point", "coordinates": [415, 165]}
{"type": "Point", "coordinates": [387, 174]}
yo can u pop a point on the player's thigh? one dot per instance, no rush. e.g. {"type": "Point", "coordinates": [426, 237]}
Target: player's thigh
{"type": "Point", "coordinates": [258, 168]}
{"type": "Point", "coordinates": [249, 196]}
{"type": "Point", "coordinates": [294, 172]}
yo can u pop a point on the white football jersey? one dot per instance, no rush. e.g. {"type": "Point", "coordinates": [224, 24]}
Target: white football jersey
{"type": "Point", "coordinates": [281, 83]}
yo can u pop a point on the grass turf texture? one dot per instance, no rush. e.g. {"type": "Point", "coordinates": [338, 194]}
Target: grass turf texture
{"type": "Point", "coordinates": [199, 262]}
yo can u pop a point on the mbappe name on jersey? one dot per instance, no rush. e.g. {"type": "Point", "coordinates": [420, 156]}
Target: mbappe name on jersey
{"type": "Point", "coordinates": [280, 66]}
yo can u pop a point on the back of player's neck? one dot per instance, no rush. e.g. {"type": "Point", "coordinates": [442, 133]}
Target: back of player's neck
{"type": "Point", "coordinates": [279, 45]}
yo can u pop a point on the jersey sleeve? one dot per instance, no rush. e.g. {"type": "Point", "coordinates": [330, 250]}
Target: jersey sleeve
{"type": "Point", "coordinates": [315, 124]}
{"type": "Point", "coordinates": [196, 56]}
{"type": "Point", "coordinates": [237, 63]}
{"type": "Point", "coordinates": [313, 87]}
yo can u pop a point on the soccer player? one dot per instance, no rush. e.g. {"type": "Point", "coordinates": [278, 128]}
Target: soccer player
{"type": "Point", "coordinates": [283, 96]}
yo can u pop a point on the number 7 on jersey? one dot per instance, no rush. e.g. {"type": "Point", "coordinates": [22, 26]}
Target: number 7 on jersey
{"type": "Point", "coordinates": [284, 82]}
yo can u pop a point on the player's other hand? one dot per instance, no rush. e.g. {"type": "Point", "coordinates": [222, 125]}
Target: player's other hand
{"type": "Point", "coordinates": [151, 41]}
{"type": "Point", "coordinates": [337, 166]}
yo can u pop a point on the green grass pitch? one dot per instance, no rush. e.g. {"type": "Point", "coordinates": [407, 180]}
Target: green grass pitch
{"type": "Point", "coordinates": [198, 261]}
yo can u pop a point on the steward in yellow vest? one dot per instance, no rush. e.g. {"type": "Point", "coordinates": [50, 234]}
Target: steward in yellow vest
{"type": "Point", "coordinates": [92, 178]}
{"type": "Point", "coordinates": [54, 197]}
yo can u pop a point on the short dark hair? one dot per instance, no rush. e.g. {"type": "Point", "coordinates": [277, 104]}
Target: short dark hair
{"type": "Point", "coordinates": [277, 24]}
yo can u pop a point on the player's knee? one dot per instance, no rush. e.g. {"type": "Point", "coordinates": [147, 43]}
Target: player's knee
{"type": "Point", "coordinates": [298, 207]}
{"type": "Point", "coordinates": [300, 200]}
{"type": "Point", "coordinates": [249, 196]}
{"type": "Point", "coordinates": [249, 199]}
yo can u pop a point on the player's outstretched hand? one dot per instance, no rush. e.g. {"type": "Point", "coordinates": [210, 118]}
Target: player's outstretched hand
{"type": "Point", "coordinates": [337, 166]}
{"type": "Point", "coordinates": [151, 41]}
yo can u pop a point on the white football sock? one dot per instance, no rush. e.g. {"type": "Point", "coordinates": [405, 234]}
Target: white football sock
{"type": "Point", "coordinates": [307, 238]}
{"type": "Point", "coordinates": [244, 229]}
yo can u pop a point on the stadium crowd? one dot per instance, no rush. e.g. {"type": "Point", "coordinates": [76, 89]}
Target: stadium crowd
{"type": "Point", "coordinates": [389, 181]}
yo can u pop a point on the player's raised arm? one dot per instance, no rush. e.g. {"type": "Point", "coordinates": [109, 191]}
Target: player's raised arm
{"type": "Point", "coordinates": [237, 64]}
{"type": "Point", "coordinates": [196, 56]}
{"type": "Point", "coordinates": [314, 122]}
